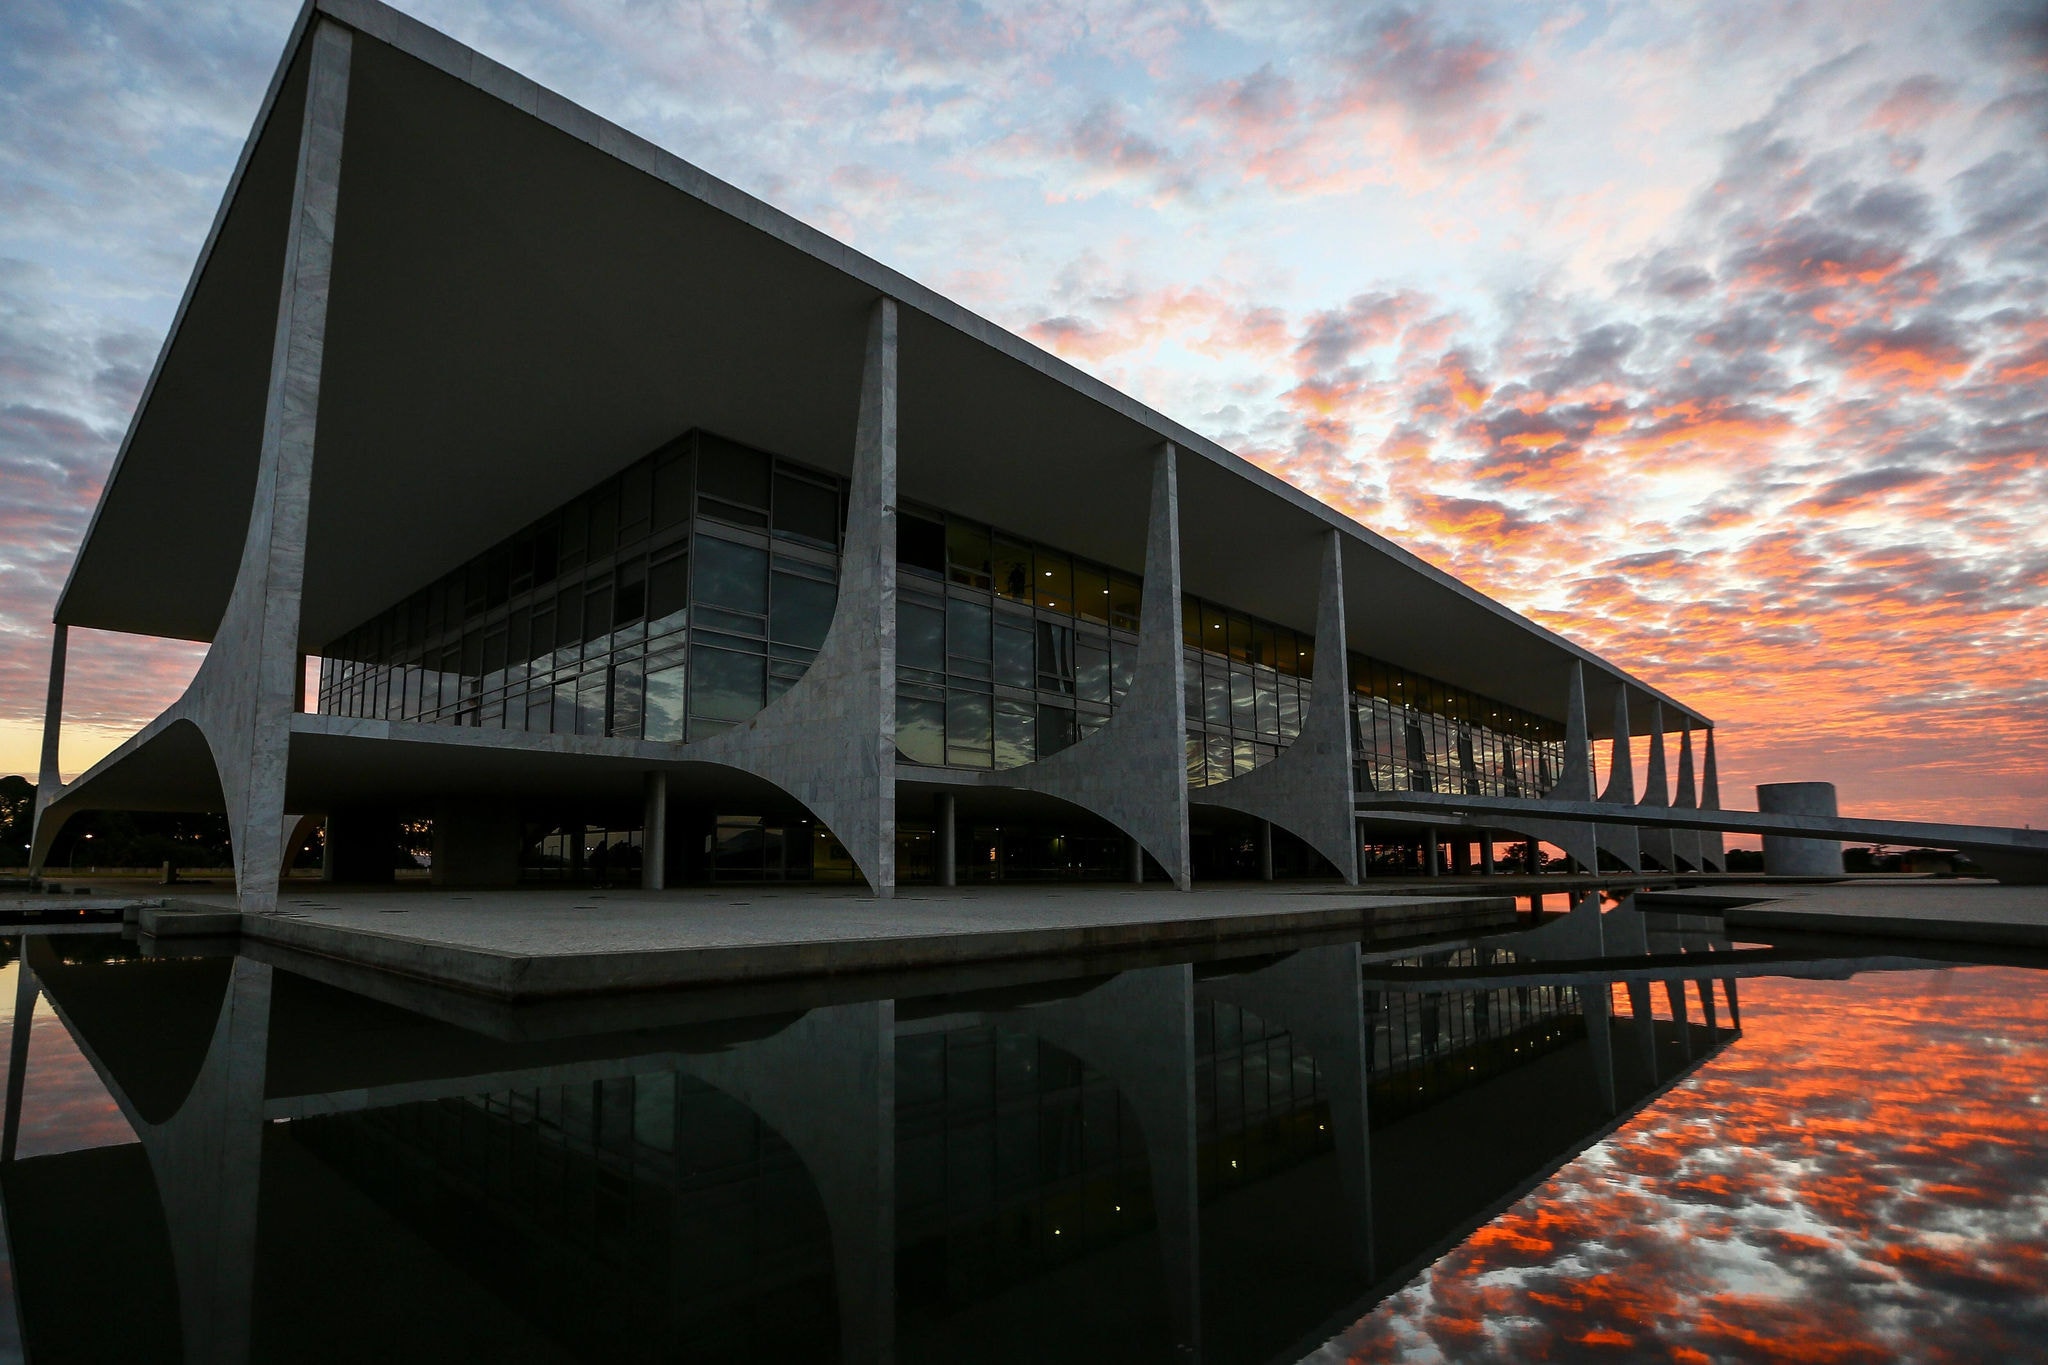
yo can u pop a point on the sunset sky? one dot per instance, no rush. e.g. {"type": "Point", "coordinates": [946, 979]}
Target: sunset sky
{"type": "Point", "coordinates": [1711, 336]}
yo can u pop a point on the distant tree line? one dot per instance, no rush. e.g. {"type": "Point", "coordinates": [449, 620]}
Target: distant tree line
{"type": "Point", "coordinates": [113, 838]}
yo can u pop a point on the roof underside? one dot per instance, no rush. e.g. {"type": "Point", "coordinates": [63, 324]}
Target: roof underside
{"type": "Point", "coordinates": [523, 302]}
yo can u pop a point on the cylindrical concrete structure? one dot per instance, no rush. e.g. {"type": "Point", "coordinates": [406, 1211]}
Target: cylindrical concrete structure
{"type": "Point", "coordinates": [1785, 856]}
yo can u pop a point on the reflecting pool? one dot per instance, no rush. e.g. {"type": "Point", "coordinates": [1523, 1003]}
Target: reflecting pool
{"type": "Point", "coordinates": [1617, 1135]}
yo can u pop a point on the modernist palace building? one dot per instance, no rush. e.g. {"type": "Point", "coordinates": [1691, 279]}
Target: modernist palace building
{"type": "Point", "coordinates": [640, 531]}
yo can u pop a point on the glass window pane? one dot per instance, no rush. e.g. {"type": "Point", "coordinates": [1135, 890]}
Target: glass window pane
{"type": "Point", "coordinates": [732, 473]}
{"type": "Point", "coordinates": [1212, 631]}
{"type": "Point", "coordinates": [1055, 657]}
{"type": "Point", "coordinates": [668, 594]}
{"type": "Point", "coordinates": [921, 730]}
{"type": "Point", "coordinates": [920, 544]}
{"type": "Point", "coordinates": [597, 612]}
{"type": "Point", "coordinates": [1054, 581]}
{"type": "Point", "coordinates": [663, 714]}
{"type": "Point", "coordinates": [1091, 670]}
{"type": "Point", "coordinates": [1124, 596]}
{"type": "Point", "coordinates": [1013, 570]}
{"type": "Point", "coordinates": [590, 704]}
{"type": "Point", "coordinates": [968, 553]}
{"type": "Point", "coordinates": [726, 686]}
{"type": "Point", "coordinates": [1216, 698]}
{"type": "Point", "coordinates": [672, 489]}
{"type": "Point", "coordinates": [1016, 658]}
{"type": "Point", "coordinates": [625, 722]}
{"type": "Point", "coordinates": [920, 635]}
{"type": "Point", "coordinates": [802, 612]}
{"type": "Point", "coordinates": [805, 510]}
{"type": "Point", "coordinates": [967, 635]}
{"type": "Point", "coordinates": [1013, 733]}
{"type": "Point", "coordinates": [967, 728]}
{"type": "Point", "coordinates": [732, 576]}
{"type": "Point", "coordinates": [1239, 636]}
{"type": "Point", "coordinates": [1055, 729]}
{"type": "Point", "coordinates": [1268, 703]}
{"type": "Point", "coordinates": [1242, 716]}
{"type": "Point", "coordinates": [1091, 594]}
{"type": "Point", "coordinates": [629, 593]}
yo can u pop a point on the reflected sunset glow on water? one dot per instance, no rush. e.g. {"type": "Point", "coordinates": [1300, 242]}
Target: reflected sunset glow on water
{"type": "Point", "coordinates": [1862, 1176]}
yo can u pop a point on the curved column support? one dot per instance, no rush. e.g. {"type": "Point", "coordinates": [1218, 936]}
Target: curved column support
{"type": "Point", "coordinates": [49, 776]}
{"type": "Point", "coordinates": [827, 1085]}
{"type": "Point", "coordinates": [1685, 843]}
{"type": "Point", "coordinates": [1138, 1029]}
{"type": "Point", "coordinates": [1656, 843]}
{"type": "Point", "coordinates": [830, 741]}
{"type": "Point", "coordinates": [246, 689]}
{"type": "Point", "coordinates": [1133, 771]}
{"type": "Point", "coordinates": [1620, 841]}
{"type": "Point", "coordinates": [1307, 787]}
{"type": "Point", "coordinates": [1579, 840]}
{"type": "Point", "coordinates": [1713, 849]}
{"type": "Point", "coordinates": [1317, 995]}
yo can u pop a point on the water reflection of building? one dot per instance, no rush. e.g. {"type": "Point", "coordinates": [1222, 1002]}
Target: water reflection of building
{"type": "Point", "coordinates": [610, 499]}
{"type": "Point", "coordinates": [1083, 1169]}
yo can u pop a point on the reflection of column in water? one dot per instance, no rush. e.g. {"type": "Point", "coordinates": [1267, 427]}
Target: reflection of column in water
{"type": "Point", "coordinates": [25, 992]}
{"type": "Point", "coordinates": [1315, 995]}
{"type": "Point", "coordinates": [1597, 1000]}
{"type": "Point", "coordinates": [827, 1085]}
{"type": "Point", "coordinates": [1138, 1030]}
{"type": "Point", "coordinates": [1705, 986]}
{"type": "Point", "coordinates": [1674, 993]}
{"type": "Point", "coordinates": [1646, 1026]}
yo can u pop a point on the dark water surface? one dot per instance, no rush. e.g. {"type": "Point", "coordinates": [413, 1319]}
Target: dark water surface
{"type": "Point", "coordinates": [214, 1158]}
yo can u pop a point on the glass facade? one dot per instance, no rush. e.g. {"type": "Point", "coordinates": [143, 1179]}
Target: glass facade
{"type": "Point", "coordinates": [680, 596]}
{"type": "Point", "coordinates": [1246, 689]}
{"type": "Point", "coordinates": [591, 621]}
{"type": "Point", "coordinates": [1412, 733]}
{"type": "Point", "coordinates": [1006, 651]}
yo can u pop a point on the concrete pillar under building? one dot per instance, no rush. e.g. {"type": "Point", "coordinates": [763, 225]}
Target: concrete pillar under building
{"type": "Point", "coordinates": [1486, 867]}
{"type": "Point", "coordinates": [1461, 856]}
{"type": "Point", "coordinates": [1137, 868]}
{"type": "Point", "coordinates": [1785, 856]}
{"type": "Point", "coordinates": [476, 843]}
{"type": "Point", "coordinates": [1265, 850]}
{"type": "Point", "coordinates": [654, 835]}
{"type": "Point", "coordinates": [1432, 857]}
{"type": "Point", "coordinates": [947, 821]}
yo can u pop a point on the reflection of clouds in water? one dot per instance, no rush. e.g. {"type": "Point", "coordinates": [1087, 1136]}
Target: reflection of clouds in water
{"type": "Point", "coordinates": [1863, 1176]}
{"type": "Point", "coordinates": [64, 1107]}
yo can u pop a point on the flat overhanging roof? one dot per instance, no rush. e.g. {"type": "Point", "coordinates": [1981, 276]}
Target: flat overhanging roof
{"type": "Point", "coordinates": [526, 298]}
